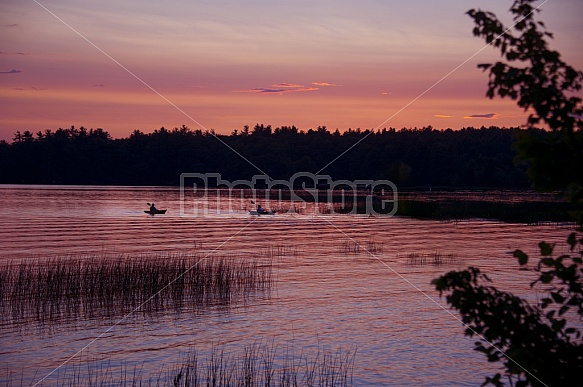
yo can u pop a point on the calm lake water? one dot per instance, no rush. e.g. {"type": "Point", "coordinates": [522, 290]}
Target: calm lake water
{"type": "Point", "coordinates": [327, 294]}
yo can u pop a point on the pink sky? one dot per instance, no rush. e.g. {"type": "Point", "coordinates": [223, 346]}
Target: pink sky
{"type": "Point", "coordinates": [221, 65]}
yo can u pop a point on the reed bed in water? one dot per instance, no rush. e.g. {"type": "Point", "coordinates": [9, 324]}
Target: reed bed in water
{"type": "Point", "coordinates": [436, 259]}
{"type": "Point", "coordinates": [46, 289]}
{"type": "Point", "coordinates": [370, 246]}
{"type": "Point", "coordinates": [257, 365]}
{"type": "Point", "coordinates": [279, 252]}
{"type": "Point", "coordinates": [262, 366]}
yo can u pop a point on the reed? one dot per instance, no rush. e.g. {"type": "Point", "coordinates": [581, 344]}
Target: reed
{"type": "Point", "coordinates": [70, 287]}
{"type": "Point", "coordinates": [258, 365]}
{"type": "Point", "coordinates": [262, 365]}
{"type": "Point", "coordinates": [369, 246]}
{"type": "Point", "coordinates": [279, 252]}
{"type": "Point", "coordinates": [436, 259]}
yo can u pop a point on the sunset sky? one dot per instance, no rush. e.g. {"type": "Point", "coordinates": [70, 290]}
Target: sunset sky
{"type": "Point", "coordinates": [228, 63]}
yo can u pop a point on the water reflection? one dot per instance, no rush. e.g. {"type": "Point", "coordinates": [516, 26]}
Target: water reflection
{"type": "Point", "coordinates": [335, 282]}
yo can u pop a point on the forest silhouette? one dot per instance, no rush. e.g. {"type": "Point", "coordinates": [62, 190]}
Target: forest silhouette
{"type": "Point", "coordinates": [416, 158]}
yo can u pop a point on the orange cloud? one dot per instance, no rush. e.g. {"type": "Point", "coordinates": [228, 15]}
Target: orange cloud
{"type": "Point", "coordinates": [286, 85]}
{"type": "Point", "coordinates": [324, 84]}
{"type": "Point", "coordinates": [278, 88]}
{"type": "Point", "coordinates": [442, 116]}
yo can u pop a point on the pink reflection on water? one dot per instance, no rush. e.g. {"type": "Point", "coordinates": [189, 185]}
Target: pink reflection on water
{"type": "Point", "coordinates": [325, 294]}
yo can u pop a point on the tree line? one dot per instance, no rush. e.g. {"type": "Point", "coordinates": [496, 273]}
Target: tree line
{"type": "Point", "coordinates": [420, 157]}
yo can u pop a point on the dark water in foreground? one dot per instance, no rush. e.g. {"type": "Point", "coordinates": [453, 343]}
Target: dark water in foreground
{"type": "Point", "coordinates": [330, 291]}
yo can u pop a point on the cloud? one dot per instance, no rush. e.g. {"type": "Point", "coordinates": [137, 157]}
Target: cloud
{"type": "Point", "coordinates": [287, 85]}
{"type": "Point", "coordinates": [324, 84]}
{"type": "Point", "coordinates": [28, 88]}
{"type": "Point", "coordinates": [487, 116]}
{"type": "Point", "coordinates": [260, 90]}
{"type": "Point", "coordinates": [278, 88]}
{"type": "Point", "coordinates": [99, 85]}
{"type": "Point", "coordinates": [442, 116]}
{"type": "Point", "coordinates": [12, 53]}
{"type": "Point", "coordinates": [13, 71]}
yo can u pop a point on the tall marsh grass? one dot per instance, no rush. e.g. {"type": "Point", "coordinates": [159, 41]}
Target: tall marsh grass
{"type": "Point", "coordinates": [256, 365]}
{"type": "Point", "coordinates": [53, 288]}
{"type": "Point", "coordinates": [435, 259]}
{"type": "Point", "coordinates": [354, 247]}
{"type": "Point", "coordinates": [262, 365]}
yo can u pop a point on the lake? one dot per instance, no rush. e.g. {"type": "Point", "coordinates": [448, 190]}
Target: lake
{"type": "Point", "coordinates": [348, 283]}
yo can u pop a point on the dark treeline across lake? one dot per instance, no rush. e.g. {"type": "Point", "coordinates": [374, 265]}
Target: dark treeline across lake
{"type": "Point", "coordinates": [425, 157]}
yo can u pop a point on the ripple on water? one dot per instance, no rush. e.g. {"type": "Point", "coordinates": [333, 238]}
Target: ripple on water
{"type": "Point", "coordinates": [327, 295]}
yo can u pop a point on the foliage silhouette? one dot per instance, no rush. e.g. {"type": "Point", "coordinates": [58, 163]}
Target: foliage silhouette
{"type": "Point", "coordinates": [538, 343]}
{"type": "Point", "coordinates": [427, 157]}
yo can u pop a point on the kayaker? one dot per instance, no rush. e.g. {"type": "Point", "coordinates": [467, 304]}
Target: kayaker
{"type": "Point", "coordinates": [260, 209]}
{"type": "Point", "coordinates": [153, 208]}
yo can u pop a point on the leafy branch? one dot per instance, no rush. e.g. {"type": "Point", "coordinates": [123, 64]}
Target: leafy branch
{"type": "Point", "coordinates": [538, 344]}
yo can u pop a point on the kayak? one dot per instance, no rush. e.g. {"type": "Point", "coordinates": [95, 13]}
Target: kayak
{"type": "Point", "coordinates": [155, 212]}
{"type": "Point", "coordinates": [253, 212]}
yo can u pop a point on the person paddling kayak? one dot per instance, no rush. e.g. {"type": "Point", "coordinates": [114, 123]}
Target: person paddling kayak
{"type": "Point", "coordinates": [153, 210]}
{"type": "Point", "coordinates": [261, 211]}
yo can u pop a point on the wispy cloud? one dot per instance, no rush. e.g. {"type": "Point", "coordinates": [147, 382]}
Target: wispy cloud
{"type": "Point", "coordinates": [99, 85]}
{"type": "Point", "coordinates": [442, 116]}
{"type": "Point", "coordinates": [12, 53]}
{"type": "Point", "coordinates": [28, 88]}
{"type": "Point", "coordinates": [287, 85]}
{"type": "Point", "coordinates": [13, 71]}
{"type": "Point", "coordinates": [278, 88]}
{"type": "Point", "coordinates": [324, 84]}
{"type": "Point", "coordinates": [486, 116]}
